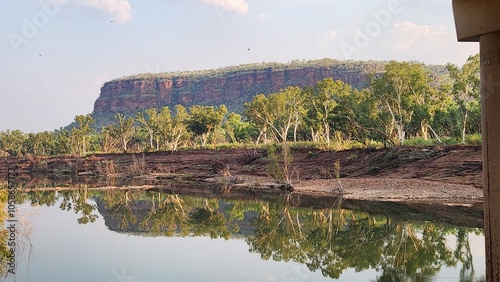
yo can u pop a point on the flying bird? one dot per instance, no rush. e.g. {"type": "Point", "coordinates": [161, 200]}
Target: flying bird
{"type": "Point", "coordinates": [40, 55]}
{"type": "Point", "coordinates": [248, 49]}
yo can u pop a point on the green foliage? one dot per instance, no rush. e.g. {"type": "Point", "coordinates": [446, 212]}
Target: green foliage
{"type": "Point", "coordinates": [273, 168]}
{"type": "Point", "coordinates": [239, 131]}
{"type": "Point", "coordinates": [323, 101]}
{"type": "Point", "coordinates": [280, 160]}
{"type": "Point", "coordinates": [402, 89]}
{"type": "Point", "coordinates": [122, 131]}
{"type": "Point", "coordinates": [466, 88]}
{"type": "Point", "coordinates": [205, 120]}
{"type": "Point", "coordinates": [149, 124]}
{"type": "Point", "coordinates": [277, 112]}
{"type": "Point", "coordinates": [81, 132]}
{"type": "Point", "coordinates": [77, 202]}
{"type": "Point", "coordinates": [474, 139]}
{"type": "Point", "coordinates": [63, 140]}
{"type": "Point", "coordinates": [13, 142]}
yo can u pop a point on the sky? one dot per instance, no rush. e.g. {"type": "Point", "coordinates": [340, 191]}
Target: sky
{"type": "Point", "coordinates": [56, 54]}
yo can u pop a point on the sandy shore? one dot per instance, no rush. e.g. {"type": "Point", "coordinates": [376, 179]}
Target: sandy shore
{"type": "Point", "coordinates": [388, 189]}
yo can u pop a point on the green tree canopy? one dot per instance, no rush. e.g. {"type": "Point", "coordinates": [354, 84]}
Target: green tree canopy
{"type": "Point", "coordinates": [466, 87]}
{"type": "Point", "coordinates": [397, 91]}
{"type": "Point", "coordinates": [278, 111]}
{"type": "Point", "coordinates": [204, 120]}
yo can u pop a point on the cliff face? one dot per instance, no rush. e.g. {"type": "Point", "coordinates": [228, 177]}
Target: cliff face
{"type": "Point", "coordinates": [231, 88]}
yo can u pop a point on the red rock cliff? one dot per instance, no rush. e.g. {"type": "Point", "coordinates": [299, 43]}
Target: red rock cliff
{"type": "Point", "coordinates": [231, 86]}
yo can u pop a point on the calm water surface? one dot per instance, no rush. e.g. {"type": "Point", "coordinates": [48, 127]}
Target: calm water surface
{"type": "Point", "coordinates": [150, 236]}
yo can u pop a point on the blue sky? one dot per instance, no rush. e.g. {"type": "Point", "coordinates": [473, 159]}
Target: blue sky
{"type": "Point", "coordinates": [56, 54]}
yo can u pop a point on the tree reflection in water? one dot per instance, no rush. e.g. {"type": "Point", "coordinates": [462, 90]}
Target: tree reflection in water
{"type": "Point", "coordinates": [71, 200]}
{"type": "Point", "coordinates": [78, 202]}
{"type": "Point", "coordinates": [333, 240]}
{"type": "Point", "coordinates": [329, 240]}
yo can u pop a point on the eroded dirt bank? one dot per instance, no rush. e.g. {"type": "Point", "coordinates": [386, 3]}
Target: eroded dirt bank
{"type": "Point", "coordinates": [433, 173]}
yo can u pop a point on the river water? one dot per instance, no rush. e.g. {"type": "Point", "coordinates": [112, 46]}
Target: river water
{"type": "Point", "coordinates": [125, 236]}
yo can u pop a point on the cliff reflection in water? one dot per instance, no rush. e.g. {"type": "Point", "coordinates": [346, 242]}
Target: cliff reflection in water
{"type": "Point", "coordinates": [330, 240]}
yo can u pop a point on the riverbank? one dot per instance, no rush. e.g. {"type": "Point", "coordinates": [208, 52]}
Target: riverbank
{"type": "Point", "coordinates": [450, 175]}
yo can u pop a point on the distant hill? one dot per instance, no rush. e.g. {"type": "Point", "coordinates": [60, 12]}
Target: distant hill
{"type": "Point", "coordinates": [231, 86]}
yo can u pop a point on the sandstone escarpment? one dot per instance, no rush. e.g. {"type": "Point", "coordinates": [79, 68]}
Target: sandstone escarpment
{"type": "Point", "coordinates": [231, 86]}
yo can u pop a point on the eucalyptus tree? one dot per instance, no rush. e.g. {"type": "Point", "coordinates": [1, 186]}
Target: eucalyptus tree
{"type": "Point", "coordinates": [466, 87]}
{"type": "Point", "coordinates": [63, 142]}
{"type": "Point", "coordinates": [254, 113]}
{"type": "Point", "coordinates": [179, 131]}
{"type": "Point", "coordinates": [40, 143]}
{"type": "Point", "coordinates": [81, 131]}
{"type": "Point", "coordinates": [279, 111]}
{"type": "Point", "coordinates": [123, 130]}
{"type": "Point", "coordinates": [231, 124]}
{"type": "Point", "coordinates": [398, 90]}
{"type": "Point", "coordinates": [324, 98]}
{"type": "Point", "coordinates": [429, 112]}
{"type": "Point", "coordinates": [12, 142]}
{"type": "Point", "coordinates": [149, 123]}
{"type": "Point", "coordinates": [297, 102]}
{"type": "Point", "coordinates": [173, 128]}
{"type": "Point", "coordinates": [164, 129]}
{"type": "Point", "coordinates": [238, 130]}
{"type": "Point", "coordinates": [204, 120]}
{"type": "Point", "coordinates": [359, 118]}
{"type": "Point", "coordinates": [109, 142]}
{"type": "Point", "coordinates": [311, 122]}
{"type": "Point", "coordinates": [32, 144]}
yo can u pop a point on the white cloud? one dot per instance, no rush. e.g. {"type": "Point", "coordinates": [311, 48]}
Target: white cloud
{"type": "Point", "coordinates": [120, 9]}
{"type": "Point", "coordinates": [428, 43]}
{"type": "Point", "coordinates": [411, 36]}
{"type": "Point", "coordinates": [238, 6]}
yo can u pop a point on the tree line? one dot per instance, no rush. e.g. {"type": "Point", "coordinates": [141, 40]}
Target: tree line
{"type": "Point", "coordinates": [406, 102]}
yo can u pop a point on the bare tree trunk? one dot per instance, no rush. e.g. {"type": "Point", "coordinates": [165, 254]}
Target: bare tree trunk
{"type": "Point", "coordinates": [124, 144]}
{"type": "Point", "coordinates": [424, 129]}
{"type": "Point", "coordinates": [435, 134]}
{"type": "Point", "coordinates": [314, 136]}
{"type": "Point", "coordinates": [464, 125]}
{"type": "Point", "coordinates": [151, 137]}
{"type": "Point", "coordinates": [83, 145]}
{"type": "Point", "coordinates": [327, 133]}
{"type": "Point", "coordinates": [296, 126]}
{"type": "Point", "coordinates": [401, 133]}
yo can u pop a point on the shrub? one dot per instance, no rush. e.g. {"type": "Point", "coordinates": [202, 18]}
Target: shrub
{"type": "Point", "coordinates": [279, 166]}
{"type": "Point", "coordinates": [474, 139]}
